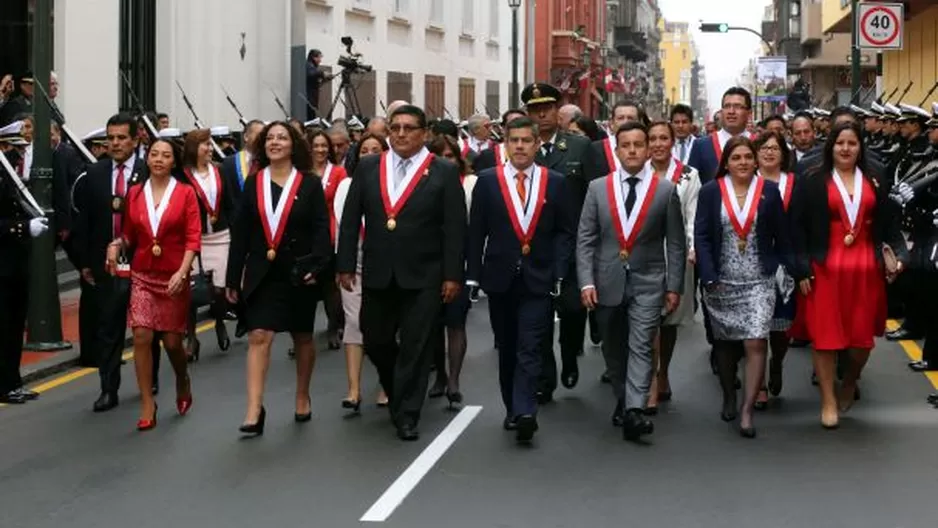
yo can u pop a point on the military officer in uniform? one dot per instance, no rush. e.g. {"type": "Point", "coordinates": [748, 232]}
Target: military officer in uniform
{"type": "Point", "coordinates": [567, 154]}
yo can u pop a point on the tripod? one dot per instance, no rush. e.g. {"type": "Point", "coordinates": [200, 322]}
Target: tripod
{"type": "Point", "coordinates": [346, 87]}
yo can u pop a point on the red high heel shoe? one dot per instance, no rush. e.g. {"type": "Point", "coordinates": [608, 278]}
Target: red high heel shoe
{"type": "Point", "coordinates": [146, 425]}
{"type": "Point", "coordinates": [183, 405]}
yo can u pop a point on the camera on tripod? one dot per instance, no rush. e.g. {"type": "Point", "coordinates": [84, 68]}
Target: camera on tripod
{"type": "Point", "coordinates": [352, 61]}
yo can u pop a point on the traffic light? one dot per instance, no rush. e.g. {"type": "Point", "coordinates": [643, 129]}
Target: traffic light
{"type": "Point", "coordinates": [722, 27]}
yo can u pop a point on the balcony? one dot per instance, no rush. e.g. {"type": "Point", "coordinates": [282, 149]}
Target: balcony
{"type": "Point", "coordinates": [630, 44]}
{"type": "Point", "coordinates": [811, 30]}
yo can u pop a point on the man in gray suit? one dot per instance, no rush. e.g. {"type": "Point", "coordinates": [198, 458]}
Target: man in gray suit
{"type": "Point", "coordinates": [630, 265]}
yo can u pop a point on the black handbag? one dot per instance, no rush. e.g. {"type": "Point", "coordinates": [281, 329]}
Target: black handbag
{"type": "Point", "coordinates": [201, 287]}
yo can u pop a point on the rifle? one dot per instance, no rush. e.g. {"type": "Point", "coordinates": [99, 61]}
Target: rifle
{"type": "Point", "coordinates": [383, 108]}
{"type": "Point", "coordinates": [933, 88]}
{"type": "Point", "coordinates": [25, 198]}
{"type": "Point", "coordinates": [60, 119]}
{"type": "Point", "coordinates": [198, 122]}
{"type": "Point", "coordinates": [888, 97]}
{"type": "Point", "coordinates": [151, 130]}
{"type": "Point", "coordinates": [241, 119]}
{"type": "Point", "coordinates": [904, 92]}
{"type": "Point", "coordinates": [308, 104]}
{"type": "Point", "coordinates": [280, 104]}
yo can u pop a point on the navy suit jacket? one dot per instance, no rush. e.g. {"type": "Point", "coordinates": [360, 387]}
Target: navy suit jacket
{"type": "Point", "coordinates": [704, 158]}
{"type": "Point", "coordinates": [494, 256]}
{"type": "Point", "coordinates": [772, 231]}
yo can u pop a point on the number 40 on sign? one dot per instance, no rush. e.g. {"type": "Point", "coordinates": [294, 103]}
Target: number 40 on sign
{"type": "Point", "coordinates": [880, 25]}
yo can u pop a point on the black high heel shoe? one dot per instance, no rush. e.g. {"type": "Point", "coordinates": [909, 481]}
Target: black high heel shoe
{"type": "Point", "coordinates": [221, 335]}
{"type": "Point", "coordinates": [455, 398]}
{"type": "Point", "coordinates": [305, 417]}
{"type": "Point", "coordinates": [352, 405]}
{"type": "Point", "coordinates": [747, 432]}
{"type": "Point", "coordinates": [196, 350]}
{"type": "Point", "coordinates": [256, 428]}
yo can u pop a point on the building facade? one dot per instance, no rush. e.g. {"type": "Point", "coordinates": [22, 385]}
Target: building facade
{"type": "Point", "coordinates": [917, 62]}
{"type": "Point", "coordinates": [634, 36]}
{"type": "Point", "coordinates": [677, 54]}
{"type": "Point", "coordinates": [453, 57]}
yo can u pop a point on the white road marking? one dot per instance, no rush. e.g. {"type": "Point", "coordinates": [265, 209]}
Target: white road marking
{"type": "Point", "coordinates": [401, 488]}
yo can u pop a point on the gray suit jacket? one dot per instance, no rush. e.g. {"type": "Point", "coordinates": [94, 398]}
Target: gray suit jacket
{"type": "Point", "coordinates": [648, 271]}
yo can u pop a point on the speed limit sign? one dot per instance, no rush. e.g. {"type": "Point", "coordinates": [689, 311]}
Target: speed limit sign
{"type": "Point", "coordinates": [879, 25]}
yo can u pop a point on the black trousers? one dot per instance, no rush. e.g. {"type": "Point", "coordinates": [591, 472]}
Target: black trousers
{"type": "Point", "coordinates": [404, 367]}
{"type": "Point", "coordinates": [88, 314]}
{"type": "Point", "coordinates": [112, 295]}
{"type": "Point", "coordinates": [572, 317]}
{"type": "Point", "coordinates": [14, 300]}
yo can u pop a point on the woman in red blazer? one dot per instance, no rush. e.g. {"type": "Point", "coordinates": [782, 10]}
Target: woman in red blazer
{"type": "Point", "coordinates": [163, 232]}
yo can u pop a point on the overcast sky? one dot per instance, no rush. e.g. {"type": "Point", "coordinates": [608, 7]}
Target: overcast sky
{"type": "Point", "coordinates": [723, 55]}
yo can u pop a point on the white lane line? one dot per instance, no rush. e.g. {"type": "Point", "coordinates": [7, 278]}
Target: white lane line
{"type": "Point", "coordinates": [395, 495]}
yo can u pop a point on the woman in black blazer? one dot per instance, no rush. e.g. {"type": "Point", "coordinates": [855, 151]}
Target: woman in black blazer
{"type": "Point", "coordinates": [280, 241]}
{"type": "Point", "coordinates": [843, 221]}
{"type": "Point", "coordinates": [740, 238]}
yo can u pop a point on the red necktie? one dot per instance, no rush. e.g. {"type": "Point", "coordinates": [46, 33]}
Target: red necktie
{"type": "Point", "coordinates": [120, 189]}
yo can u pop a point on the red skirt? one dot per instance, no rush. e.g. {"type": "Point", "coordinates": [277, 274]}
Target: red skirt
{"type": "Point", "coordinates": [152, 308]}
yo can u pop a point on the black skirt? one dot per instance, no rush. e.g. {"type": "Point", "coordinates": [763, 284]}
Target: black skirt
{"type": "Point", "coordinates": [280, 306]}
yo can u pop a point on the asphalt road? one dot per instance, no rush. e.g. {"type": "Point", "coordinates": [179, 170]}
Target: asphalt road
{"type": "Point", "coordinates": [62, 465]}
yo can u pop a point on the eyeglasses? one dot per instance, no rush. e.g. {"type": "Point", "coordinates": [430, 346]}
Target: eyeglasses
{"type": "Point", "coordinates": [407, 129]}
{"type": "Point", "coordinates": [770, 148]}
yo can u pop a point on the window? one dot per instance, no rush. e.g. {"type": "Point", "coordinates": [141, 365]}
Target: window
{"type": "Point", "coordinates": [683, 54]}
{"type": "Point", "coordinates": [468, 16]}
{"type": "Point", "coordinates": [400, 7]}
{"type": "Point", "coordinates": [662, 54]}
{"type": "Point", "coordinates": [138, 52]}
{"type": "Point", "coordinates": [362, 3]}
{"type": "Point", "coordinates": [436, 12]}
{"type": "Point", "coordinates": [493, 17]}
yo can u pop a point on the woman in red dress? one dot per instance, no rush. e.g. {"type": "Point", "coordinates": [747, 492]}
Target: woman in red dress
{"type": "Point", "coordinates": [844, 224]}
{"type": "Point", "coordinates": [330, 175]}
{"type": "Point", "coordinates": [163, 231]}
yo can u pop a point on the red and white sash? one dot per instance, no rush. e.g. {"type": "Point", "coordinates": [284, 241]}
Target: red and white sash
{"type": "Point", "coordinates": [395, 198]}
{"type": "Point", "coordinates": [155, 212]}
{"type": "Point", "coordinates": [628, 227]}
{"type": "Point", "coordinates": [208, 190]}
{"type": "Point", "coordinates": [327, 174]}
{"type": "Point", "coordinates": [274, 218]}
{"type": "Point", "coordinates": [524, 219]}
{"type": "Point", "coordinates": [742, 218]}
{"type": "Point", "coordinates": [609, 147]}
{"type": "Point", "coordinates": [850, 208]}
{"type": "Point", "coordinates": [501, 154]}
{"type": "Point", "coordinates": [674, 172]}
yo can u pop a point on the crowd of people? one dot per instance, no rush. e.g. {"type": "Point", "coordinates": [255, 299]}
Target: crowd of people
{"type": "Point", "coordinates": [805, 228]}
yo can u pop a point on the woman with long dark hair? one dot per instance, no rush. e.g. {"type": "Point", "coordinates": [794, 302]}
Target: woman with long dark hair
{"type": "Point", "coordinates": [741, 238]}
{"type": "Point", "coordinates": [454, 314]}
{"type": "Point", "coordinates": [848, 244]}
{"type": "Point", "coordinates": [161, 228]}
{"type": "Point", "coordinates": [279, 245]}
{"type": "Point", "coordinates": [216, 207]}
{"type": "Point", "coordinates": [352, 338]}
{"type": "Point", "coordinates": [330, 175]}
{"type": "Point", "coordinates": [772, 157]}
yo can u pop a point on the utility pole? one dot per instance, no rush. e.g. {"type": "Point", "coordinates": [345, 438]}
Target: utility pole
{"type": "Point", "coordinates": [44, 325]}
{"type": "Point", "coordinates": [855, 52]}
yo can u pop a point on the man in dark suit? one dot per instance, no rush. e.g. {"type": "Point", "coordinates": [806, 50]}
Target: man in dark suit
{"type": "Point", "coordinates": [488, 158]}
{"type": "Point", "coordinates": [99, 222]}
{"type": "Point", "coordinates": [682, 120]}
{"type": "Point", "coordinates": [521, 236]}
{"type": "Point", "coordinates": [737, 108]}
{"type": "Point", "coordinates": [415, 212]}
{"type": "Point", "coordinates": [567, 154]}
{"type": "Point", "coordinates": [602, 159]}
{"type": "Point", "coordinates": [235, 168]}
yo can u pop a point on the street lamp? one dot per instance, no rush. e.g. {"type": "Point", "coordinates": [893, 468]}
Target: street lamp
{"type": "Point", "coordinates": [513, 97]}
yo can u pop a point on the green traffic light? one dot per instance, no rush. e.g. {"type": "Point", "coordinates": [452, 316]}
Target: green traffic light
{"type": "Point", "coordinates": [724, 28]}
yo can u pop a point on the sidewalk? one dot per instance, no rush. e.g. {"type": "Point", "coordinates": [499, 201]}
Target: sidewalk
{"type": "Point", "coordinates": [38, 365]}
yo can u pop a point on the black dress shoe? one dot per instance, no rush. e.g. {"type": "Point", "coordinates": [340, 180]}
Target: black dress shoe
{"type": "Point", "coordinates": [618, 416]}
{"type": "Point", "coordinates": [526, 427]}
{"type": "Point", "coordinates": [605, 378]}
{"type": "Point", "coordinates": [902, 334]}
{"type": "Point", "coordinates": [545, 397]}
{"type": "Point", "coordinates": [30, 395]}
{"type": "Point", "coordinates": [105, 402]}
{"type": "Point", "coordinates": [799, 343]}
{"type": "Point", "coordinates": [408, 433]}
{"type": "Point", "coordinates": [636, 425]}
{"type": "Point", "coordinates": [932, 398]}
{"type": "Point", "coordinates": [569, 377]}
{"type": "Point", "coordinates": [13, 398]}
{"type": "Point", "coordinates": [510, 424]}
{"type": "Point", "coordinates": [923, 366]}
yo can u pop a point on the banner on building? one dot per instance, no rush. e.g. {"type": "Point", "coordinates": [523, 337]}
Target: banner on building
{"type": "Point", "coordinates": [771, 76]}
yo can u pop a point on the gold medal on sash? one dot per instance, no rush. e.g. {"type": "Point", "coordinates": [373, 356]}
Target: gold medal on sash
{"type": "Point", "coordinates": [271, 254]}
{"type": "Point", "coordinates": [849, 239]}
{"type": "Point", "coordinates": [741, 244]}
{"type": "Point", "coordinates": [156, 249]}
{"type": "Point", "coordinates": [526, 249]}
{"type": "Point", "coordinates": [117, 204]}
{"type": "Point", "coordinates": [392, 224]}
{"type": "Point", "coordinates": [623, 254]}
{"type": "Point", "coordinates": [213, 219]}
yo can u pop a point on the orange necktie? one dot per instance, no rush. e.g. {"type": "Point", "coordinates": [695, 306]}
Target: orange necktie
{"type": "Point", "coordinates": [519, 184]}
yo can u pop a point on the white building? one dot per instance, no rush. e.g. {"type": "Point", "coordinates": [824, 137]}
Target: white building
{"type": "Point", "coordinates": [450, 56]}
